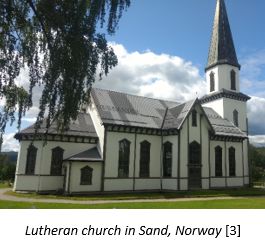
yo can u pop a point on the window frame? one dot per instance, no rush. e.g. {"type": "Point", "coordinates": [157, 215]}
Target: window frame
{"type": "Point", "coordinates": [145, 148]}
{"type": "Point", "coordinates": [218, 150]}
{"type": "Point", "coordinates": [212, 82]}
{"type": "Point", "coordinates": [233, 79]}
{"type": "Point", "coordinates": [232, 161]}
{"type": "Point", "coordinates": [167, 159]}
{"type": "Point", "coordinates": [195, 153]}
{"type": "Point", "coordinates": [236, 118]}
{"type": "Point", "coordinates": [31, 160]}
{"type": "Point", "coordinates": [56, 161]}
{"type": "Point", "coordinates": [194, 121]}
{"type": "Point", "coordinates": [124, 158]}
{"type": "Point", "coordinates": [86, 175]}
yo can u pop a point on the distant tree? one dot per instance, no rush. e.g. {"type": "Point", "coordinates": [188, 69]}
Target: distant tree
{"type": "Point", "coordinates": [7, 169]}
{"type": "Point", "coordinates": [257, 158]}
{"type": "Point", "coordinates": [60, 43]}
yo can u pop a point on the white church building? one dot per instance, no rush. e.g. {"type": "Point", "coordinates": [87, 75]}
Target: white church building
{"type": "Point", "coordinates": [126, 143]}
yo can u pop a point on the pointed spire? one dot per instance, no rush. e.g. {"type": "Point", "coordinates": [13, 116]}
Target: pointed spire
{"type": "Point", "coordinates": [222, 50]}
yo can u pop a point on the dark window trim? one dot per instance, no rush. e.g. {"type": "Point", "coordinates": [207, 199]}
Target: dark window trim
{"type": "Point", "coordinates": [167, 159]}
{"type": "Point", "coordinates": [218, 161]}
{"type": "Point", "coordinates": [194, 153]}
{"type": "Point", "coordinates": [145, 147]}
{"type": "Point", "coordinates": [31, 160]}
{"type": "Point", "coordinates": [232, 161]}
{"type": "Point", "coordinates": [194, 118]}
{"type": "Point", "coordinates": [212, 82]}
{"type": "Point", "coordinates": [56, 161]}
{"type": "Point", "coordinates": [233, 79]}
{"type": "Point", "coordinates": [86, 175]}
{"type": "Point", "coordinates": [124, 158]}
{"type": "Point", "coordinates": [235, 118]}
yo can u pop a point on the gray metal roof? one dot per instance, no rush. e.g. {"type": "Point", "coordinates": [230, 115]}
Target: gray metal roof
{"type": "Point", "coordinates": [221, 126]}
{"type": "Point", "coordinates": [130, 110]}
{"type": "Point", "coordinates": [222, 50]}
{"type": "Point", "coordinates": [122, 109]}
{"type": "Point", "coordinates": [176, 115]}
{"type": "Point", "coordinates": [82, 126]}
{"type": "Point", "coordinates": [224, 93]}
{"type": "Point", "coordinates": [91, 154]}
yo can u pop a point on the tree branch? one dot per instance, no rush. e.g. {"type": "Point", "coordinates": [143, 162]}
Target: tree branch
{"type": "Point", "coordinates": [40, 21]}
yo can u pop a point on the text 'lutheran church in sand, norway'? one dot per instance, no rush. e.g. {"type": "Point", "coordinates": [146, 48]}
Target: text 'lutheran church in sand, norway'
{"type": "Point", "coordinates": [129, 143]}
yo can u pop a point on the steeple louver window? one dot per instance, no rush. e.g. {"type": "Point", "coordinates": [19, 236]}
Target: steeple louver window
{"type": "Point", "coordinates": [212, 82]}
{"type": "Point", "coordinates": [233, 79]}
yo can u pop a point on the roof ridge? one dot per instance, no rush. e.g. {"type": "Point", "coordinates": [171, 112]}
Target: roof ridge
{"type": "Point", "coordinates": [183, 103]}
{"type": "Point", "coordinates": [134, 95]}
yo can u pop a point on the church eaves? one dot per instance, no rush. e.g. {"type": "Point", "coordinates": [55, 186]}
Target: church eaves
{"type": "Point", "coordinates": [222, 50]}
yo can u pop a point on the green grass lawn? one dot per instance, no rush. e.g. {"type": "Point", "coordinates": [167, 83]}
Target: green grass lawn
{"type": "Point", "coordinates": [244, 203]}
{"type": "Point", "coordinates": [4, 185]}
{"type": "Point", "coordinates": [181, 194]}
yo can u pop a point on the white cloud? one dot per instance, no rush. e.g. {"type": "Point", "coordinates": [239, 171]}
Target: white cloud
{"type": "Point", "coordinates": [256, 115]}
{"type": "Point", "coordinates": [154, 75]}
{"type": "Point", "coordinates": [10, 143]}
{"type": "Point", "coordinates": [166, 77]}
{"type": "Point", "coordinates": [258, 140]}
{"type": "Point", "coordinates": [253, 75]}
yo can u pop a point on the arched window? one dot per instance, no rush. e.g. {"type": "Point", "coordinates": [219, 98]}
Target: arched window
{"type": "Point", "coordinates": [232, 161]}
{"type": "Point", "coordinates": [57, 161]}
{"type": "Point", "coordinates": [194, 153]}
{"type": "Point", "coordinates": [235, 117]}
{"type": "Point", "coordinates": [233, 79]}
{"type": "Point", "coordinates": [167, 159]}
{"type": "Point", "coordinates": [218, 161]}
{"type": "Point", "coordinates": [86, 175]}
{"type": "Point", "coordinates": [145, 159]}
{"type": "Point", "coordinates": [124, 158]}
{"type": "Point", "coordinates": [31, 160]}
{"type": "Point", "coordinates": [212, 82]}
{"type": "Point", "coordinates": [194, 118]}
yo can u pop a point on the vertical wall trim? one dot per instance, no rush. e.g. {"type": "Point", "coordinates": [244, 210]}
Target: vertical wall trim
{"type": "Point", "coordinates": [201, 147]}
{"type": "Point", "coordinates": [134, 159]}
{"type": "Point", "coordinates": [104, 159]}
{"type": "Point", "coordinates": [162, 151]}
{"type": "Point", "coordinates": [69, 177]}
{"type": "Point", "coordinates": [178, 180]}
{"type": "Point", "coordinates": [249, 161]}
{"type": "Point", "coordinates": [225, 166]}
{"type": "Point", "coordinates": [188, 151]}
{"type": "Point", "coordinates": [243, 165]}
{"type": "Point", "coordinates": [41, 155]}
{"type": "Point", "coordinates": [209, 161]}
{"type": "Point", "coordinates": [161, 161]}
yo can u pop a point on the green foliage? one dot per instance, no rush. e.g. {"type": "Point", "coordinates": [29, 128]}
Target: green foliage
{"type": "Point", "coordinates": [60, 43]}
{"type": "Point", "coordinates": [7, 169]}
{"type": "Point", "coordinates": [257, 158]}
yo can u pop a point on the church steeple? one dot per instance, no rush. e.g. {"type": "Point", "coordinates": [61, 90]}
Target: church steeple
{"type": "Point", "coordinates": [222, 50]}
{"type": "Point", "coordinates": [222, 73]}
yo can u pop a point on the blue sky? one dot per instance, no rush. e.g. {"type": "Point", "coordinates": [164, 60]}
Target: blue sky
{"type": "Point", "coordinates": [162, 48]}
{"type": "Point", "coordinates": [183, 27]}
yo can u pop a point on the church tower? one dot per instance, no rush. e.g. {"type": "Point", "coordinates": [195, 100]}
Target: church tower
{"type": "Point", "coordinates": [222, 73]}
